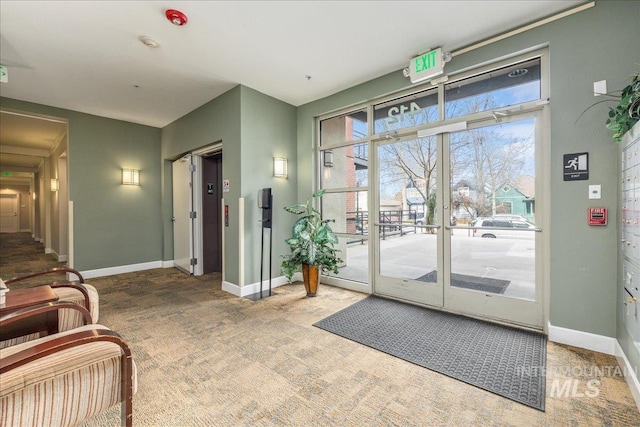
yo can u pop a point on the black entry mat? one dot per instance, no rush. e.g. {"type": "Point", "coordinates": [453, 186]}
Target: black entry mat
{"type": "Point", "coordinates": [483, 284]}
{"type": "Point", "coordinates": [506, 361]}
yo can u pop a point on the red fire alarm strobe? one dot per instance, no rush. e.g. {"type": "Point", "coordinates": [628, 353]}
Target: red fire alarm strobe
{"type": "Point", "coordinates": [176, 17]}
{"type": "Point", "coordinates": [597, 216]}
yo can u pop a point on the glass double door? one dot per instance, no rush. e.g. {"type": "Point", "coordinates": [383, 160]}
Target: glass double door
{"type": "Point", "coordinates": [457, 226]}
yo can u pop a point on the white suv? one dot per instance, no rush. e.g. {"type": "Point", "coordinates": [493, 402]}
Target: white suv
{"type": "Point", "coordinates": [511, 216]}
{"type": "Point", "coordinates": [503, 228]}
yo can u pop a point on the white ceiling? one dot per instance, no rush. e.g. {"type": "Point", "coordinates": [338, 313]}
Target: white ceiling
{"type": "Point", "coordinates": [87, 55]}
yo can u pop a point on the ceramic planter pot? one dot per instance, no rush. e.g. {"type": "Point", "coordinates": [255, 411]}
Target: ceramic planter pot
{"type": "Point", "coordinates": [311, 276]}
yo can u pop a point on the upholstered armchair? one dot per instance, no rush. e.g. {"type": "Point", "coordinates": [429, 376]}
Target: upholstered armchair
{"type": "Point", "coordinates": [76, 292]}
{"type": "Point", "coordinates": [67, 377]}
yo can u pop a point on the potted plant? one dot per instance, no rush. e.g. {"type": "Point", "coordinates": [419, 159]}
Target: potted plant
{"type": "Point", "coordinates": [312, 246]}
{"type": "Point", "coordinates": [627, 112]}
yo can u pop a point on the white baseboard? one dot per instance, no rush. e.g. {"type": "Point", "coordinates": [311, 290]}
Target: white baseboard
{"type": "Point", "coordinates": [254, 288]}
{"type": "Point", "coordinates": [581, 339]}
{"type": "Point", "coordinates": [168, 264]}
{"type": "Point", "coordinates": [630, 375]}
{"type": "Point", "coordinates": [232, 288]}
{"type": "Point", "coordinates": [60, 258]}
{"type": "Point", "coordinates": [121, 269]}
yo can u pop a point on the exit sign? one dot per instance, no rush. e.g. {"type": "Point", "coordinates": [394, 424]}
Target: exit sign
{"type": "Point", "coordinates": [426, 66]}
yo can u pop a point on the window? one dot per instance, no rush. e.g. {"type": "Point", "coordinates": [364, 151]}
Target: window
{"type": "Point", "coordinates": [500, 88]}
{"type": "Point", "coordinates": [504, 208]}
{"type": "Point", "coordinates": [485, 159]}
{"type": "Point", "coordinates": [347, 127]}
{"type": "Point", "coordinates": [344, 167]}
{"type": "Point", "coordinates": [409, 111]}
{"type": "Point", "coordinates": [344, 175]}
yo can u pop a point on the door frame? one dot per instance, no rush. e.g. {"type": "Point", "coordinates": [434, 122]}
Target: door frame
{"type": "Point", "coordinates": [404, 287]}
{"type": "Point", "coordinates": [191, 222]}
{"type": "Point", "coordinates": [542, 163]}
{"type": "Point", "coordinates": [515, 311]}
{"type": "Point", "coordinates": [196, 205]}
{"type": "Point", "coordinates": [458, 300]}
{"type": "Point", "coordinates": [209, 150]}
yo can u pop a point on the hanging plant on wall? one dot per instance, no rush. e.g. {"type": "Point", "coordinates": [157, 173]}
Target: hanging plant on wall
{"type": "Point", "coordinates": [627, 112]}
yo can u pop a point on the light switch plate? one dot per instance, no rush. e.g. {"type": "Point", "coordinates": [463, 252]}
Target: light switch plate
{"type": "Point", "coordinates": [595, 191]}
{"type": "Point", "coordinates": [599, 88]}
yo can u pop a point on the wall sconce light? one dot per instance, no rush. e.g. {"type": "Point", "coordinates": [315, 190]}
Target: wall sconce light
{"type": "Point", "coordinates": [328, 159]}
{"type": "Point", "coordinates": [55, 186]}
{"type": "Point", "coordinates": [130, 177]}
{"type": "Point", "coordinates": [280, 167]}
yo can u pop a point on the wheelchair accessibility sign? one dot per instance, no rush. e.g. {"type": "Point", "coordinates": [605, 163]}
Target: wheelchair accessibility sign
{"type": "Point", "coordinates": [576, 166]}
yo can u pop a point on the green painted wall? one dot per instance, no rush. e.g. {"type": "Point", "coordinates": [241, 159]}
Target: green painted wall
{"type": "Point", "coordinates": [584, 49]}
{"type": "Point", "coordinates": [253, 128]}
{"type": "Point", "coordinates": [268, 131]}
{"type": "Point", "coordinates": [216, 121]}
{"type": "Point", "coordinates": [598, 44]}
{"type": "Point", "coordinates": [114, 225]}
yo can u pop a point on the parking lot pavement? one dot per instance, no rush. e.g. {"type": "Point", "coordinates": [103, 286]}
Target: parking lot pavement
{"type": "Point", "coordinates": [414, 255]}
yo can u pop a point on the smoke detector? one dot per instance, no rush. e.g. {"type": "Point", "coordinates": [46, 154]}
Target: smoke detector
{"type": "Point", "coordinates": [148, 41]}
{"type": "Point", "coordinates": [176, 17]}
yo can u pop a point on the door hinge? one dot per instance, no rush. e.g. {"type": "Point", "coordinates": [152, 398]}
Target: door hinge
{"type": "Point", "coordinates": [194, 261]}
{"type": "Point", "coordinates": [193, 215]}
{"type": "Point", "coordinates": [192, 168]}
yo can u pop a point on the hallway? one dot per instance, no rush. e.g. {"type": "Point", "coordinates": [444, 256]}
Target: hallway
{"type": "Point", "coordinates": [20, 254]}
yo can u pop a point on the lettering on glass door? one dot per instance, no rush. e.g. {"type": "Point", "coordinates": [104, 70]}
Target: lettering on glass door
{"type": "Point", "coordinates": [397, 114]}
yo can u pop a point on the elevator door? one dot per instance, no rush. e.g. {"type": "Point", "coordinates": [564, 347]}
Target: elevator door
{"type": "Point", "coordinates": [211, 212]}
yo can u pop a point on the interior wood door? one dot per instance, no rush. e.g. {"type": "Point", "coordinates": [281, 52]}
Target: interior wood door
{"type": "Point", "coordinates": [183, 223]}
{"type": "Point", "coordinates": [9, 219]}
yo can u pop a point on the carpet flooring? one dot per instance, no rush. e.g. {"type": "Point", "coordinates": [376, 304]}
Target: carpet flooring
{"type": "Point", "coordinates": [486, 355]}
{"type": "Point", "coordinates": [208, 358]}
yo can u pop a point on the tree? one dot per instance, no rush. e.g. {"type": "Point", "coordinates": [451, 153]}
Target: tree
{"type": "Point", "coordinates": [489, 158]}
{"type": "Point", "coordinates": [409, 163]}
{"type": "Point", "coordinates": [485, 157]}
